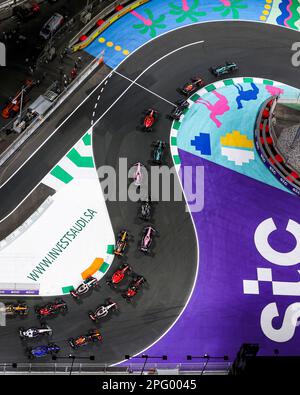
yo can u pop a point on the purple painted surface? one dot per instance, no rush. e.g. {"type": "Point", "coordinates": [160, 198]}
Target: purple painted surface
{"type": "Point", "coordinates": [219, 317]}
{"type": "Point", "coordinates": [18, 292]}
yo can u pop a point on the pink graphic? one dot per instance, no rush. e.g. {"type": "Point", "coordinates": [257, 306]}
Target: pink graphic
{"type": "Point", "coordinates": [185, 5]}
{"type": "Point", "coordinates": [146, 21]}
{"type": "Point", "coordinates": [274, 90]}
{"type": "Point", "coordinates": [226, 3]}
{"type": "Point", "coordinates": [290, 13]}
{"type": "Point", "coordinates": [216, 109]}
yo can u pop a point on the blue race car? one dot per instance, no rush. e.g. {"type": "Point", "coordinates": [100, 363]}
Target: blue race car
{"type": "Point", "coordinates": [42, 351]}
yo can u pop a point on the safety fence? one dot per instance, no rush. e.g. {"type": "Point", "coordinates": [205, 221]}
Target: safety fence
{"type": "Point", "coordinates": [102, 21]}
{"type": "Point", "coordinates": [210, 368]}
{"type": "Point", "coordinates": [266, 145]}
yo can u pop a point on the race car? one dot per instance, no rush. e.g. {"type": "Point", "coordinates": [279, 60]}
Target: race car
{"type": "Point", "coordinates": [158, 152]}
{"type": "Point", "coordinates": [134, 287]}
{"type": "Point", "coordinates": [138, 174]}
{"type": "Point", "coordinates": [147, 238]}
{"type": "Point", "coordinates": [51, 309]}
{"type": "Point", "coordinates": [33, 333]}
{"type": "Point", "coordinates": [178, 111]}
{"type": "Point", "coordinates": [103, 310]}
{"type": "Point", "coordinates": [146, 210]}
{"type": "Point", "coordinates": [192, 86]}
{"type": "Point", "coordinates": [149, 120]}
{"type": "Point", "coordinates": [122, 243]}
{"type": "Point", "coordinates": [85, 287]}
{"type": "Point", "coordinates": [227, 68]}
{"type": "Point", "coordinates": [16, 310]}
{"type": "Point", "coordinates": [42, 351]}
{"type": "Point", "coordinates": [119, 275]}
{"type": "Point", "coordinates": [93, 336]}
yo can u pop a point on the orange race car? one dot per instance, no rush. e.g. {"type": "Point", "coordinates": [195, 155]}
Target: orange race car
{"type": "Point", "coordinates": [122, 243]}
{"type": "Point", "coordinates": [93, 336]}
{"type": "Point", "coordinates": [16, 310]}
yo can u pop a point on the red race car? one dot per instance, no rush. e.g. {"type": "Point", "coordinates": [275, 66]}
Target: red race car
{"type": "Point", "coordinates": [92, 337]}
{"type": "Point", "coordinates": [149, 120]}
{"type": "Point", "coordinates": [50, 309]}
{"type": "Point", "coordinates": [119, 275]}
{"type": "Point", "coordinates": [134, 287]}
{"type": "Point", "coordinates": [192, 86]}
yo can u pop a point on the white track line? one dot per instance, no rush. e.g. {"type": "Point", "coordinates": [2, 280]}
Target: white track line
{"type": "Point", "coordinates": [146, 89]}
{"type": "Point", "coordinates": [93, 123]}
{"type": "Point", "coordinates": [142, 73]}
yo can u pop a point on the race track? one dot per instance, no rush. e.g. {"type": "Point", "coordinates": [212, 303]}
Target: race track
{"type": "Point", "coordinates": [260, 51]}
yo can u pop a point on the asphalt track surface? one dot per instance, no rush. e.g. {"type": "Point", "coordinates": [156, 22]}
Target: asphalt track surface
{"type": "Point", "coordinates": [260, 50]}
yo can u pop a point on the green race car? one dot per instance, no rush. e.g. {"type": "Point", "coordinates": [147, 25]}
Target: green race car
{"type": "Point", "coordinates": [225, 69]}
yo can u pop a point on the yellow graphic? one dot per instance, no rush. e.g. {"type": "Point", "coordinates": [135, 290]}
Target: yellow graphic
{"type": "Point", "coordinates": [91, 270]}
{"type": "Point", "coordinates": [266, 11]}
{"type": "Point", "coordinates": [110, 44]}
{"type": "Point", "coordinates": [236, 139]}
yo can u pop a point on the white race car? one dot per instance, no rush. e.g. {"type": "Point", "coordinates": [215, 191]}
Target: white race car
{"type": "Point", "coordinates": [33, 333]}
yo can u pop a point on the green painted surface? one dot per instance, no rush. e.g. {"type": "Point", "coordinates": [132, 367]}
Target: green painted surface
{"type": "Point", "coordinates": [176, 159]}
{"type": "Point", "coordinates": [173, 140]}
{"type": "Point", "coordinates": [61, 174]}
{"type": "Point", "coordinates": [195, 97]}
{"type": "Point", "coordinates": [68, 289]}
{"type": "Point", "coordinates": [176, 125]}
{"type": "Point", "coordinates": [87, 139]}
{"type": "Point", "coordinates": [110, 249]}
{"type": "Point", "coordinates": [228, 82]}
{"type": "Point", "coordinates": [78, 160]}
{"type": "Point", "coordinates": [210, 88]}
{"type": "Point", "coordinates": [104, 267]}
{"type": "Point", "coordinates": [268, 82]}
{"type": "Point", "coordinates": [247, 79]}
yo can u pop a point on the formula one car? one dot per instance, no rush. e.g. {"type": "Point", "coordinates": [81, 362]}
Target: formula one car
{"type": "Point", "coordinates": [122, 243]}
{"type": "Point", "coordinates": [50, 309]}
{"type": "Point", "coordinates": [85, 287]}
{"type": "Point", "coordinates": [192, 86]}
{"type": "Point", "coordinates": [42, 351]}
{"type": "Point", "coordinates": [179, 110]}
{"type": "Point", "coordinates": [158, 152]}
{"type": "Point", "coordinates": [146, 210]}
{"type": "Point", "coordinates": [103, 310]}
{"type": "Point", "coordinates": [16, 310]}
{"type": "Point", "coordinates": [33, 333]}
{"type": "Point", "coordinates": [149, 120]}
{"type": "Point", "coordinates": [134, 287]}
{"type": "Point", "coordinates": [138, 174]}
{"type": "Point", "coordinates": [225, 69]}
{"type": "Point", "coordinates": [119, 275]}
{"type": "Point", "coordinates": [93, 336]}
{"type": "Point", "coordinates": [147, 238]}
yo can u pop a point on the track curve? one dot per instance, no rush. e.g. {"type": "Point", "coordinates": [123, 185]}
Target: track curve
{"type": "Point", "coordinates": [171, 272]}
